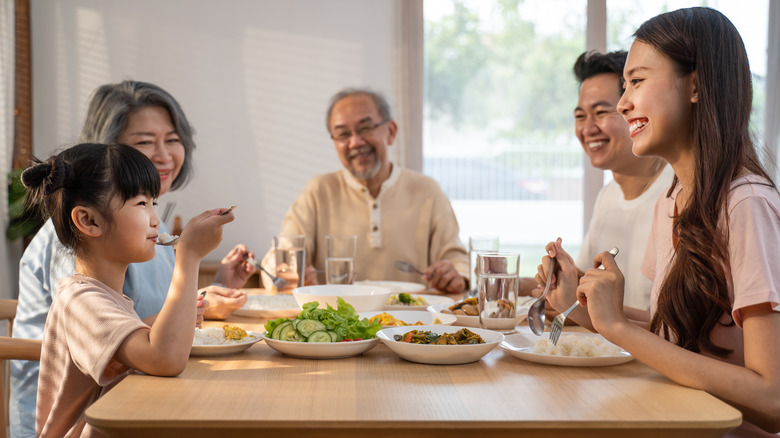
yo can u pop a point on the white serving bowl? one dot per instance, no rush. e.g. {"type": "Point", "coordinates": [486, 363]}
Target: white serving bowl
{"type": "Point", "coordinates": [439, 354]}
{"type": "Point", "coordinates": [362, 298]}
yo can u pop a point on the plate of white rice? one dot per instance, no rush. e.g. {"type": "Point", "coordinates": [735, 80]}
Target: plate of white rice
{"type": "Point", "coordinates": [573, 349]}
{"type": "Point", "coordinates": [211, 341]}
{"type": "Point", "coordinates": [269, 307]}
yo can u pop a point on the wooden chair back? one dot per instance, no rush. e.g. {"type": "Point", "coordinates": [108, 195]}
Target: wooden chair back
{"type": "Point", "coordinates": [12, 349]}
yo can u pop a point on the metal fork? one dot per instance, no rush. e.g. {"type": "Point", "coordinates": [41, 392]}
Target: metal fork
{"type": "Point", "coordinates": [407, 267]}
{"type": "Point", "coordinates": [557, 323]}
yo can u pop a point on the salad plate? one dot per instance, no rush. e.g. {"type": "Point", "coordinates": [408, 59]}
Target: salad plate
{"type": "Point", "coordinates": [321, 350]}
{"type": "Point", "coordinates": [411, 317]}
{"type": "Point", "coordinates": [394, 286]}
{"type": "Point", "coordinates": [523, 304]}
{"type": "Point", "coordinates": [521, 345]}
{"type": "Point", "coordinates": [429, 300]}
{"type": "Point", "coordinates": [269, 307]}
{"type": "Point", "coordinates": [440, 354]}
{"type": "Point", "coordinates": [227, 348]}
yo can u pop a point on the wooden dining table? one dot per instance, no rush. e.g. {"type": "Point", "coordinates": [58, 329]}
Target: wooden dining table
{"type": "Point", "coordinates": [261, 392]}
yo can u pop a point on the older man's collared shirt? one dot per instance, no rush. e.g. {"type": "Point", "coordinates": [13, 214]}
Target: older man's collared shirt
{"type": "Point", "coordinates": [411, 219]}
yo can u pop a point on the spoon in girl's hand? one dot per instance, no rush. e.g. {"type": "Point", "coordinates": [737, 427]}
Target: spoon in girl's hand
{"type": "Point", "coordinates": [165, 239]}
{"type": "Point", "coordinates": [228, 210]}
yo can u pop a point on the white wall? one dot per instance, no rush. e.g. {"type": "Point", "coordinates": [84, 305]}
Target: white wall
{"type": "Point", "coordinates": [253, 77]}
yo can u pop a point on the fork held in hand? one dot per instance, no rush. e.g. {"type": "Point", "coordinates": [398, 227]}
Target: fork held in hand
{"type": "Point", "coordinates": [407, 267]}
{"type": "Point", "coordinates": [557, 323]}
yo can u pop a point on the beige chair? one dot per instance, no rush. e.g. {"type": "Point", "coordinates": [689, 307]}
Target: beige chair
{"type": "Point", "coordinates": [10, 348]}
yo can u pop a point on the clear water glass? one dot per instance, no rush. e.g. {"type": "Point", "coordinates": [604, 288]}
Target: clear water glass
{"type": "Point", "coordinates": [340, 259]}
{"type": "Point", "coordinates": [498, 281]}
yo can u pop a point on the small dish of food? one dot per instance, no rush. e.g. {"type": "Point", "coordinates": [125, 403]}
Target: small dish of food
{"type": "Point", "coordinates": [407, 301]}
{"type": "Point", "coordinates": [467, 311]}
{"type": "Point", "coordinates": [440, 345]}
{"type": "Point", "coordinates": [394, 286]}
{"type": "Point", "coordinates": [401, 318]}
{"type": "Point", "coordinates": [269, 306]}
{"type": "Point", "coordinates": [222, 341]}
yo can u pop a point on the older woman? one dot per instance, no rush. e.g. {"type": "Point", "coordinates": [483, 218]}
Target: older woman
{"type": "Point", "coordinates": [147, 118]}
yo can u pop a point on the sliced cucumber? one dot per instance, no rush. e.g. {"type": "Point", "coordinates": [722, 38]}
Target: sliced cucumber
{"type": "Point", "coordinates": [319, 336]}
{"type": "Point", "coordinates": [334, 337]}
{"type": "Point", "coordinates": [308, 326]}
{"type": "Point", "coordinates": [278, 330]}
{"type": "Point", "coordinates": [288, 333]}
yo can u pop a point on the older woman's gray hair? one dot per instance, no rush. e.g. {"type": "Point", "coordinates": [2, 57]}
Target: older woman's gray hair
{"type": "Point", "coordinates": [382, 105]}
{"type": "Point", "coordinates": [111, 105]}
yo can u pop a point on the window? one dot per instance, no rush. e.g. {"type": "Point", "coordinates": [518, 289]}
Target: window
{"type": "Point", "coordinates": [499, 94]}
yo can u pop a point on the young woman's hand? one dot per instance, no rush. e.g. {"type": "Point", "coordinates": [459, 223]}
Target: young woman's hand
{"type": "Point", "coordinates": [563, 287]}
{"type": "Point", "coordinates": [203, 233]}
{"type": "Point", "coordinates": [234, 270]}
{"type": "Point", "coordinates": [222, 301]}
{"type": "Point", "coordinates": [601, 291]}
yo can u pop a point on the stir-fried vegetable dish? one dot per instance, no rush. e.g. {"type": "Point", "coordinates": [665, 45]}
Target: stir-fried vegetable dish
{"type": "Point", "coordinates": [461, 337]}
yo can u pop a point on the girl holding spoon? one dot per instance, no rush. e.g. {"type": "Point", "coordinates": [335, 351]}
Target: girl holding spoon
{"type": "Point", "coordinates": [101, 200]}
{"type": "Point", "coordinates": [715, 311]}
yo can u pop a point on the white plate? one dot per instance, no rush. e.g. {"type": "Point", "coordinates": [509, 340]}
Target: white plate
{"type": "Point", "coordinates": [431, 299]}
{"type": "Point", "coordinates": [322, 350]}
{"type": "Point", "coordinates": [440, 354]}
{"type": "Point", "coordinates": [473, 321]}
{"type": "Point", "coordinates": [413, 316]}
{"type": "Point", "coordinates": [269, 307]}
{"type": "Point", "coordinates": [522, 346]}
{"type": "Point", "coordinates": [227, 349]}
{"type": "Point", "coordinates": [394, 286]}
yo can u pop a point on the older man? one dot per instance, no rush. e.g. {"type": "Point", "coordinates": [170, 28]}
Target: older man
{"type": "Point", "coordinates": [396, 214]}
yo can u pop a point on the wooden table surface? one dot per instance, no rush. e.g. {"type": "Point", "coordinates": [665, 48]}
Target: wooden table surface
{"type": "Point", "coordinates": [378, 394]}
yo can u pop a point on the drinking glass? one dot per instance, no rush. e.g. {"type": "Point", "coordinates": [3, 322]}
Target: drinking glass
{"type": "Point", "coordinates": [498, 280]}
{"type": "Point", "coordinates": [340, 259]}
{"type": "Point", "coordinates": [477, 244]}
{"type": "Point", "coordinates": [290, 256]}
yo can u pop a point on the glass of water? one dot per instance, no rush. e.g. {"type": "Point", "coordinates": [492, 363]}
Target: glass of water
{"type": "Point", "coordinates": [498, 280]}
{"type": "Point", "coordinates": [340, 259]}
{"type": "Point", "coordinates": [290, 255]}
{"type": "Point", "coordinates": [477, 244]}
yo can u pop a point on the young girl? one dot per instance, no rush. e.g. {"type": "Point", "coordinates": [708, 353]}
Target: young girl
{"type": "Point", "coordinates": [715, 238]}
{"type": "Point", "coordinates": [101, 200]}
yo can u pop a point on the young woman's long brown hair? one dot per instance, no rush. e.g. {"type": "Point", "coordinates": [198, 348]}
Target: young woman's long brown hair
{"type": "Point", "coordinates": [694, 297]}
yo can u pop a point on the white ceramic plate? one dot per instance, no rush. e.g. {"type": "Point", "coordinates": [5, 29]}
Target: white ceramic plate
{"type": "Point", "coordinates": [322, 350]}
{"type": "Point", "coordinates": [440, 354]}
{"type": "Point", "coordinates": [522, 346]}
{"type": "Point", "coordinates": [413, 316]}
{"type": "Point", "coordinates": [227, 349]}
{"type": "Point", "coordinates": [431, 299]}
{"type": "Point", "coordinates": [523, 304]}
{"type": "Point", "coordinates": [269, 307]}
{"type": "Point", "coordinates": [394, 286]}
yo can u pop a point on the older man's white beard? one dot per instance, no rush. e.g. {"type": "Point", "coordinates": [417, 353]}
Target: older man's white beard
{"type": "Point", "coordinates": [365, 176]}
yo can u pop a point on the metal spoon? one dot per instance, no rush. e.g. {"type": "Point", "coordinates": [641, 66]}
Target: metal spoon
{"type": "Point", "coordinates": [278, 282]}
{"type": "Point", "coordinates": [536, 311]}
{"type": "Point", "coordinates": [165, 239]}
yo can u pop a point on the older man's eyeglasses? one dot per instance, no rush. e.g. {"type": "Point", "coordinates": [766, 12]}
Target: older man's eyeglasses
{"type": "Point", "coordinates": [362, 131]}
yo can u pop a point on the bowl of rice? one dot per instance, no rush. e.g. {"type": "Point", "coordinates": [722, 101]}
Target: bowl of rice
{"type": "Point", "coordinates": [222, 341]}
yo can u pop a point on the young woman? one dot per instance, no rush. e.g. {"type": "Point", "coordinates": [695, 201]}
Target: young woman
{"type": "Point", "coordinates": [101, 201]}
{"type": "Point", "coordinates": [149, 119]}
{"type": "Point", "coordinates": [716, 234]}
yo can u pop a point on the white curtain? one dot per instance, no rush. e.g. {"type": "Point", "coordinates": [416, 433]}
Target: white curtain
{"type": "Point", "coordinates": [410, 61]}
{"type": "Point", "coordinates": [9, 252]}
{"type": "Point", "coordinates": [772, 105]}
